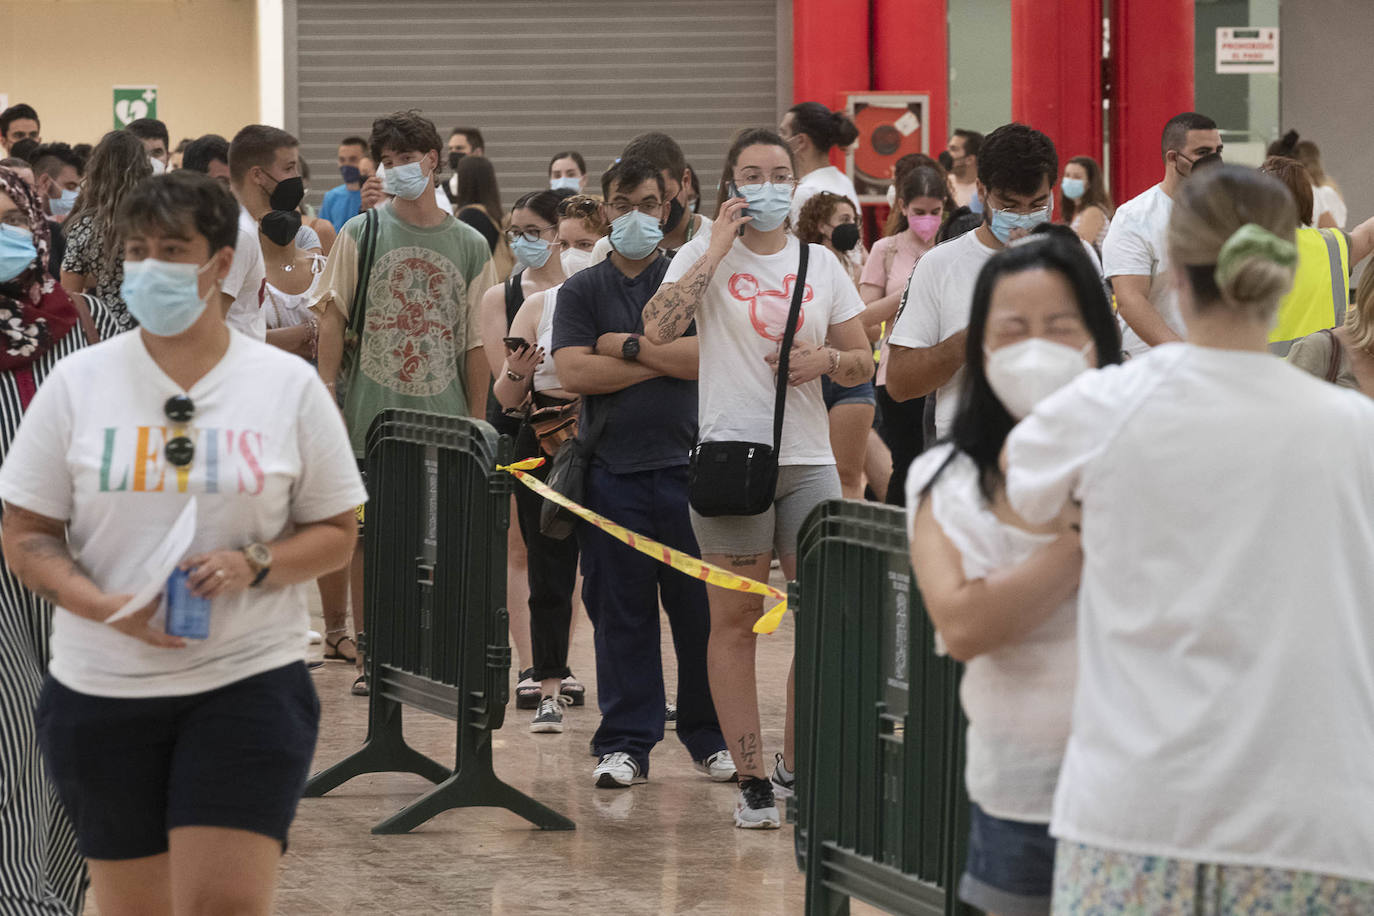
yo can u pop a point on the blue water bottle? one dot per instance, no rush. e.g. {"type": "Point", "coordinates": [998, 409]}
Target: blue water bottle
{"type": "Point", "coordinates": [187, 615]}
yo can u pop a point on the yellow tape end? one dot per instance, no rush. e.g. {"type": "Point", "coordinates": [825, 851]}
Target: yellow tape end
{"type": "Point", "coordinates": [769, 622]}
{"type": "Point", "coordinates": [529, 464]}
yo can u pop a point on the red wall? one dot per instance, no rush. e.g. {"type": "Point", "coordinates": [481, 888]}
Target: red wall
{"type": "Point", "coordinates": [1152, 80]}
{"type": "Point", "coordinates": [1056, 72]}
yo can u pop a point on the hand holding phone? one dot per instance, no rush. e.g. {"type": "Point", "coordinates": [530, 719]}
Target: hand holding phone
{"type": "Point", "coordinates": [516, 344]}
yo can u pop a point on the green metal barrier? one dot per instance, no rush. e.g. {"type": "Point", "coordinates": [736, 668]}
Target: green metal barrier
{"type": "Point", "coordinates": [436, 622]}
{"type": "Point", "coordinates": [881, 809]}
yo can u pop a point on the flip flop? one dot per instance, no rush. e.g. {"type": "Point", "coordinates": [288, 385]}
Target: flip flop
{"type": "Point", "coordinates": [332, 649]}
{"type": "Point", "coordinates": [360, 688]}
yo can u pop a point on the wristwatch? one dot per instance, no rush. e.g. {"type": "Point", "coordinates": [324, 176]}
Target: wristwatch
{"type": "Point", "coordinates": [259, 557]}
{"type": "Point", "coordinates": [630, 349]}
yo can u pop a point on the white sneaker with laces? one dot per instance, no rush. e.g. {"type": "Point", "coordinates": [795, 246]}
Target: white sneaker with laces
{"type": "Point", "coordinates": [756, 809]}
{"type": "Point", "coordinates": [617, 771]}
{"type": "Point", "coordinates": [720, 766]}
{"type": "Point", "coordinates": [784, 781]}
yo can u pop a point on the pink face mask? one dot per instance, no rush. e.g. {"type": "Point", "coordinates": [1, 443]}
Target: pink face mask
{"type": "Point", "coordinates": [925, 226]}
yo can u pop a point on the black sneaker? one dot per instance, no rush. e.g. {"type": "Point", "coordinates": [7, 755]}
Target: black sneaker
{"type": "Point", "coordinates": [784, 782]}
{"type": "Point", "coordinates": [549, 719]}
{"type": "Point", "coordinates": [756, 809]}
{"type": "Point", "coordinates": [670, 716]}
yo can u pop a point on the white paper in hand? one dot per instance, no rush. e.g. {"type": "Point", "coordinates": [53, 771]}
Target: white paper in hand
{"type": "Point", "coordinates": [169, 552]}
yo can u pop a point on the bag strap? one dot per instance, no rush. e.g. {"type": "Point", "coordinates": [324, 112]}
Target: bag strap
{"type": "Point", "coordinates": [784, 358]}
{"type": "Point", "coordinates": [367, 255]}
{"type": "Point", "coordinates": [515, 295]}
{"type": "Point", "coordinates": [1333, 368]}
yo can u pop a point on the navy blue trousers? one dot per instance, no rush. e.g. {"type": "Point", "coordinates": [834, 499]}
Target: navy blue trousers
{"type": "Point", "coordinates": [622, 589]}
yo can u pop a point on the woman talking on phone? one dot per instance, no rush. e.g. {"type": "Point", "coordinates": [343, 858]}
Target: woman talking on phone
{"type": "Point", "coordinates": [180, 761]}
{"type": "Point", "coordinates": [740, 284]}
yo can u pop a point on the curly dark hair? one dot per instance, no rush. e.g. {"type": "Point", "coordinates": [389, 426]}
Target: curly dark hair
{"type": "Point", "coordinates": [1015, 158]}
{"type": "Point", "coordinates": [816, 212]}
{"type": "Point", "coordinates": [405, 132]}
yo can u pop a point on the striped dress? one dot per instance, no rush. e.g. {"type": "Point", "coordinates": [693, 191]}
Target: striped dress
{"type": "Point", "coordinates": [41, 871]}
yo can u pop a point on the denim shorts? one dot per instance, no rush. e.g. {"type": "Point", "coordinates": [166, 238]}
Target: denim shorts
{"type": "Point", "coordinates": [130, 770]}
{"type": "Point", "coordinates": [835, 394]}
{"type": "Point", "coordinates": [1010, 868]}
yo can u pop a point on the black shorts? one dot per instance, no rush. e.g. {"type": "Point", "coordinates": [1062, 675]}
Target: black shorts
{"type": "Point", "coordinates": [130, 770]}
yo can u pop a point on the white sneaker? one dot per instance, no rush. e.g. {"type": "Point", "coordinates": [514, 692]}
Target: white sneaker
{"type": "Point", "coordinates": [720, 766]}
{"type": "Point", "coordinates": [756, 809]}
{"type": "Point", "coordinates": [617, 771]}
{"type": "Point", "coordinates": [316, 637]}
{"type": "Point", "coordinates": [784, 781]}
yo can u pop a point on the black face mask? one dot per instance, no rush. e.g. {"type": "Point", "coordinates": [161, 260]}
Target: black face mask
{"type": "Point", "coordinates": [288, 194]}
{"type": "Point", "coordinates": [281, 226]}
{"type": "Point", "coordinates": [454, 159]}
{"type": "Point", "coordinates": [845, 236]}
{"type": "Point", "coordinates": [675, 214]}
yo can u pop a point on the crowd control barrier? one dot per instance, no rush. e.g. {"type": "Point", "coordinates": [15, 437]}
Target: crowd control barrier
{"type": "Point", "coordinates": [436, 622]}
{"type": "Point", "coordinates": [881, 809]}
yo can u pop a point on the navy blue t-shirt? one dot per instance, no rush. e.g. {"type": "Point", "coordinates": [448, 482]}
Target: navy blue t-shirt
{"type": "Point", "coordinates": [649, 425]}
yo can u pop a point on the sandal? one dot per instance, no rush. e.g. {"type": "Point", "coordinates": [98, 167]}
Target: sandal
{"type": "Point", "coordinates": [360, 688]}
{"type": "Point", "coordinates": [333, 649]}
{"type": "Point", "coordinates": [527, 691]}
{"type": "Point", "coordinates": [572, 691]}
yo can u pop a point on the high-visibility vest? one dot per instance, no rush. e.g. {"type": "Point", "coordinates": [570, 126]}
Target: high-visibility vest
{"type": "Point", "coordinates": [1321, 288]}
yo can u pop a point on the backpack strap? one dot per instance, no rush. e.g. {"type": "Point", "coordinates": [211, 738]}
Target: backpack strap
{"type": "Point", "coordinates": [367, 256]}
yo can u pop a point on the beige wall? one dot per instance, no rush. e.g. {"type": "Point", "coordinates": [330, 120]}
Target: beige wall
{"type": "Point", "coordinates": [64, 57]}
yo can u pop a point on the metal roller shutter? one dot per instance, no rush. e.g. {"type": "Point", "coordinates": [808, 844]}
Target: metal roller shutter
{"type": "Point", "coordinates": [538, 77]}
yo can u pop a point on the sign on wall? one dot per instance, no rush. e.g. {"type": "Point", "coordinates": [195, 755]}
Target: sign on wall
{"type": "Point", "coordinates": [132, 103]}
{"type": "Point", "coordinates": [891, 125]}
{"type": "Point", "coordinates": [1253, 50]}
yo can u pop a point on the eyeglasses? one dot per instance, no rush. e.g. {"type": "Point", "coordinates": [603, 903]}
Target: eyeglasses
{"type": "Point", "coordinates": [180, 450]}
{"type": "Point", "coordinates": [1020, 211]}
{"type": "Point", "coordinates": [750, 177]}
{"type": "Point", "coordinates": [529, 235]}
{"type": "Point", "coordinates": [651, 207]}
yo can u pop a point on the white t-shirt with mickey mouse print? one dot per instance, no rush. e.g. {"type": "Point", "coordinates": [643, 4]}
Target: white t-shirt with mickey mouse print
{"type": "Point", "coordinates": [741, 320]}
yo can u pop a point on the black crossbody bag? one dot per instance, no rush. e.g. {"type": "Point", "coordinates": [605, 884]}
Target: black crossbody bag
{"type": "Point", "coordinates": [741, 478]}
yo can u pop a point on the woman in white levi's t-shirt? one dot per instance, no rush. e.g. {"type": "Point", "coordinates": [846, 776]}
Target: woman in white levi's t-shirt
{"type": "Point", "coordinates": [1000, 590]}
{"type": "Point", "coordinates": [1223, 725]}
{"type": "Point", "coordinates": [737, 284]}
{"type": "Point", "coordinates": [202, 745]}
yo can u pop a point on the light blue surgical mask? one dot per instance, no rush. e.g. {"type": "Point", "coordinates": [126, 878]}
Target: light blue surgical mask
{"type": "Point", "coordinates": [635, 235]}
{"type": "Point", "coordinates": [1003, 222]}
{"type": "Point", "coordinates": [62, 206]}
{"type": "Point", "coordinates": [532, 254]}
{"type": "Point", "coordinates": [17, 251]}
{"type": "Point", "coordinates": [407, 181]}
{"type": "Point", "coordinates": [769, 204]}
{"type": "Point", "coordinates": [163, 296]}
{"type": "Point", "coordinates": [566, 183]}
{"type": "Point", "coordinates": [975, 204]}
{"type": "Point", "coordinates": [1073, 188]}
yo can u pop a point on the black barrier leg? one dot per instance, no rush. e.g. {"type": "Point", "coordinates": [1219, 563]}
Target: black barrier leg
{"type": "Point", "coordinates": [475, 785]}
{"type": "Point", "coordinates": [383, 751]}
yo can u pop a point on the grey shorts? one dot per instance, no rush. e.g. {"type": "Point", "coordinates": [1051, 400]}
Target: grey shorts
{"type": "Point", "coordinates": [801, 488]}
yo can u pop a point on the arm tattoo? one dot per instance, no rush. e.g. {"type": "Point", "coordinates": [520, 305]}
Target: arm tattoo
{"type": "Point", "coordinates": [851, 372]}
{"type": "Point", "coordinates": [674, 307]}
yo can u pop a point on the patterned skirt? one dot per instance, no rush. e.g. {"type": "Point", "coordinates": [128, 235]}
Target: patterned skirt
{"type": "Point", "coordinates": [1089, 881]}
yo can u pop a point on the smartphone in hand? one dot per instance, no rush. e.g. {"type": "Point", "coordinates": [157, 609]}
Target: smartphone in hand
{"type": "Point", "coordinates": [516, 344]}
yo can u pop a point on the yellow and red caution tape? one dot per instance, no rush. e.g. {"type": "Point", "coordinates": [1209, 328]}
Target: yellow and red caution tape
{"type": "Point", "coordinates": [682, 562]}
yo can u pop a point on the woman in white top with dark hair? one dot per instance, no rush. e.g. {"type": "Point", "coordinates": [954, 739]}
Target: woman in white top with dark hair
{"type": "Point", "coordinates": [811, 131]}
{"type": "Point", "coordinates": [1223, 725]}
{"type": "Point", "coordinates": [737, 284]}
{"type": "Point", "coordinates": [180, 758]}
{"type": "Point", "coordinates": [1000, 591]}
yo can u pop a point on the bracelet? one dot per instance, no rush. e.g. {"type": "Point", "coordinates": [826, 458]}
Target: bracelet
{"type": "Point", "coordinates": [514, 376]}
{"type": "Point", "coordinates": [834, 361]}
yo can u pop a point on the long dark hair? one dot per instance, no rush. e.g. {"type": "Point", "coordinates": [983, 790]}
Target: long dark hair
{"type": "Point", "coordinates": [477, 185]}
{"type": "Point", "coordinates": [982, 423]}
{"type": "Point", "coordinates": [1095, 194]}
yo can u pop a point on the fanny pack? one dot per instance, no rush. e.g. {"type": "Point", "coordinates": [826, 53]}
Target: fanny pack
{"type": "Point", "coordinates": [741, 478]}
{"type": "Point", "coordinates": [554, 421]}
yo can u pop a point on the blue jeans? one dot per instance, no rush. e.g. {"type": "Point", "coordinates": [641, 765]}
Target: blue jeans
{"type": "Point", "coordinates": [622, 589]}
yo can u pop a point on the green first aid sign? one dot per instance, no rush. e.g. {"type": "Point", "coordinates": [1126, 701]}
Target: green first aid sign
{"type": "Point", "coordinates": [132, 103]}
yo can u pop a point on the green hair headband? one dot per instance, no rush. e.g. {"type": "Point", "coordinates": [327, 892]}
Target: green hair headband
{"type": "Point", "coordinates": [1250, 241]}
